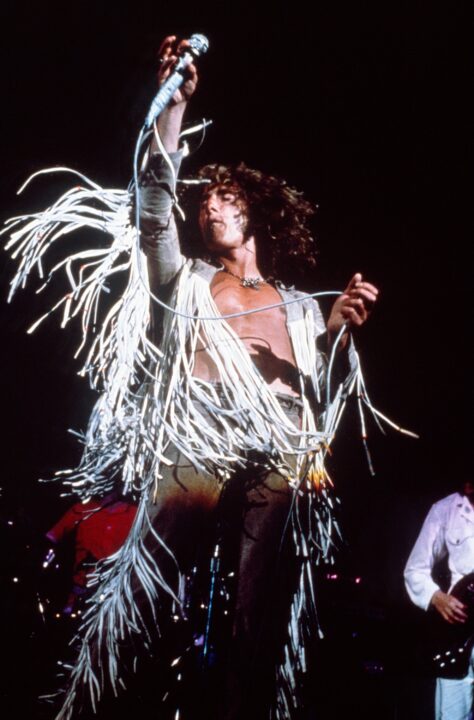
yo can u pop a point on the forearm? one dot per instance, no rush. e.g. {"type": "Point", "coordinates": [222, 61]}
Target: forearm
{"type": "Point", "coordinates": [159, 238]}
{"type": "Point", "coordinates": [169, 128]}
{"type": "Point", "coordinates": [158, 234]}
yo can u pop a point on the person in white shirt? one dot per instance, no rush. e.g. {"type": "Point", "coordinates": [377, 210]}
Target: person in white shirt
{"type": "Point", "coordinates": [447, 532]}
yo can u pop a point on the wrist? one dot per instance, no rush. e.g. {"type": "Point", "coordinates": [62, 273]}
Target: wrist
{"type": "Point", "coordinates": [333, 334]}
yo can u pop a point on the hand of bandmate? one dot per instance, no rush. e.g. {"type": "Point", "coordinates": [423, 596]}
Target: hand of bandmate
{"type": "Point", "coordinates": [449, 607]}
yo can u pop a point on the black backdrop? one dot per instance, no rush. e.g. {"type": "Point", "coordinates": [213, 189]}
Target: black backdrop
{"type": "Point", "coordinates": [364, 106]}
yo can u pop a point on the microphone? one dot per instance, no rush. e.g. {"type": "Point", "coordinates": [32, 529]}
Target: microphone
{"type": "Point", "coordinates": [198, 45]}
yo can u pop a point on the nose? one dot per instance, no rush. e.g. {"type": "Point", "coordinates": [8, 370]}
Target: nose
{"type": "Point", "coordinates": [211, 203]}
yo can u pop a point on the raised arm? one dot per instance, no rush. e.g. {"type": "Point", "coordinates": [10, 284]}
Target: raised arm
{"type": "Point", "coordinates": [159, 238]}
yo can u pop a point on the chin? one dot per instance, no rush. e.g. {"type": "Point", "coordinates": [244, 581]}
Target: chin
{"type": "Point", "coordinates": [221, 245]}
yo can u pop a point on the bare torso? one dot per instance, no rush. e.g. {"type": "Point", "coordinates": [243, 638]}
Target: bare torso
{"type": "Point", "coordinates": [264, 334]}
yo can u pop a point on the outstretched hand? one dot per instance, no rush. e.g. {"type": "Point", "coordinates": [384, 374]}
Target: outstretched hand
{"type": "Point", "coordinates": [353, 306]}
{"type": "Point", "coordinates": [168, 54]}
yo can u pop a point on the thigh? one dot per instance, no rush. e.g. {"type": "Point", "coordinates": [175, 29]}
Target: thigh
{"type": "Point", "coordinates": [182, 505]}
{"type": "Point", "coordinates": [265, 582]}
{"type": "Point", "coordinates": [179, 524]}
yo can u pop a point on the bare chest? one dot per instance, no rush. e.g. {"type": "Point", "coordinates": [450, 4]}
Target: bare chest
{"type": "Point", "coordinates": [261, 327]}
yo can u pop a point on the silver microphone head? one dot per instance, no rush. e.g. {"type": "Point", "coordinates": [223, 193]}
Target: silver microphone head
{"type": "Point", "coordinates": [199, 44]}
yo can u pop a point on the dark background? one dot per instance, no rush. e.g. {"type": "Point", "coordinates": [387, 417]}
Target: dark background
{"type": "Point", "coordinates": [364, 106]}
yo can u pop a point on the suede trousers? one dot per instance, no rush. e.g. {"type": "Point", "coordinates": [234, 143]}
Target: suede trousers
{"type": "Point", "coordinates": [248, 515]}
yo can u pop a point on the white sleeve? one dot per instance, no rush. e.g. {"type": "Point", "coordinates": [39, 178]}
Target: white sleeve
{"type": "Point", "coordinates": [428, 549]}
{"type": "Point", "coordinates": [159, 236]}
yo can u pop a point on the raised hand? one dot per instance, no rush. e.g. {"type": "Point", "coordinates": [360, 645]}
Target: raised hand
{"type": "Point", "coordinates": [353, 306]}
{"type": "Point", "coordinates": [169, 121]}
{"type": "Point", "coordinates": [168, 54]}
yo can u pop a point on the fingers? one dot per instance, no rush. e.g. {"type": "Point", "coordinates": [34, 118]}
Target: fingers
{"type": "Point", "coordinates": [166, 57]}
{"type": "Point", "coordinates": [354, 311]}
{"type": "Point", "coordinates": [367, 286]}
{"type": "Point", "coordinates": [357, 284]}
{"type": "Point", "coordinates": [357, 300]}
{"type": "Point", "coordinates": [165, 68]}
{"type": "Point", "coordinates": [353, 307]}
{"type": "Point", "coordinates": [454, 618]}
{"type": "Point", "coordinates": [357, 278]}
{"type": "Point", "coordinates": [364, 293]}
{"type": "Point", "coordinates": [166, 45]}
{"type": "Point", "coordinates": [450, 608]}
{"type": "Point", "coordinates": [182, 45]}
{"type": "Point", "coordinates": [170, 50]}
{"type": "Point", "coordinates": [356, 307]}
{"type": "Point", "coordinates": [457, 610]}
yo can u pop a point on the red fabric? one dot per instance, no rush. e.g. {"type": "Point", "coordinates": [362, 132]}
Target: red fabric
{"type": "Point", "coordinates": [100, 531]}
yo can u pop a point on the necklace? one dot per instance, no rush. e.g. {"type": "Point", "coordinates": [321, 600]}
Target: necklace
{"type": "Point", "coordinates": [247, 282]}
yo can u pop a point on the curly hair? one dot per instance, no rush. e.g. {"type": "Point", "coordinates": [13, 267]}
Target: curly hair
{"type": "Point", "coordinates": [278, 217]}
